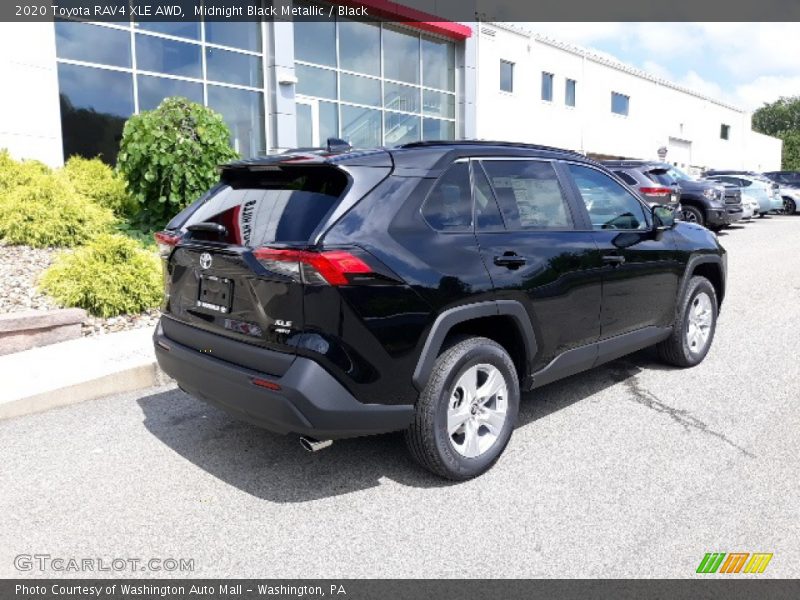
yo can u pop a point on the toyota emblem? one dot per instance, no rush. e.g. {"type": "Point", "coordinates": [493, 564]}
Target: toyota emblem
{"type": "Point", "coordinates": [205, 260]}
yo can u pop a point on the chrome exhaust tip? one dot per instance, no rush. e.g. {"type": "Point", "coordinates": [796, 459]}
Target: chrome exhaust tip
{"type": "Point", "coordinates": [313, 445]}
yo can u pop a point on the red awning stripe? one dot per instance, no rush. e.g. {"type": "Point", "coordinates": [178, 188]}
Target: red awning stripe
{"type": "Point", "coordinates": [411, 17]}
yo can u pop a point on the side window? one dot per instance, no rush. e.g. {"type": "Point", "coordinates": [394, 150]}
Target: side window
{"type": "Point", "coordinates": [448, 206]}
{"type": "Point", "coordinates": [610, 205]}
{"type": "Point", "coordinates": [487, 213]}
{"type": "Point", "coordinates": [529, 194]}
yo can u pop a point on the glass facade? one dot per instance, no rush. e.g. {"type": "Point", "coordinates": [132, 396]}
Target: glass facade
{"type": "Point", "coordinates": [374, 84]}
{"type": "Point", "coordinates": [109, 71]}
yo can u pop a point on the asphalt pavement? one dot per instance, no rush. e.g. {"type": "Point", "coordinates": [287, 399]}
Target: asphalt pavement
{"type": "Point", "coordinates": [633, 469]}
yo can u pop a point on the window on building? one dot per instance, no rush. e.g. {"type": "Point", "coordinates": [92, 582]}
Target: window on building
{"type": "Point", "coordinates": [725, 132]}
{"type": "Point", "coordinates": [93, 43]}
{"type": "Point", "coordinates": [529, 194]}
{"type": "Point", "coordinates": [95, 103]}
{"type": "Point", "coordinates": [161, 55]}
{"type": "Point", "coordinates": [409, 97]}
{"type": "Point", "coordinates": [434, 129]}
{"type": "Point", "coordinates": [96, 74]}
{"type": "Point", "coordinates": [620, 103]}
{"type": "Point", "coordinates": [610, 205]}
{"type": "Point", "coordinates": [506, 76]}
{"type": "Point", "coordinates": [569, 92]}
{"type": "Point", "coordinates": [243, 111]}
{"type": "Point", "coordinates": [400, 55]}
{"type": "Point", "coordinates": [448, 206]}
{"type": "Point", "coordinates": [547, 86]}
{"type": "Point", "coordinates": [152, 90]}
{"type": "Point", "coordinates": [360, 47]}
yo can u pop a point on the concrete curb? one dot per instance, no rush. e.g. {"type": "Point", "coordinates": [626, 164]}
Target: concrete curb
{"type": "Point", "coordinates": [130, 380]}
{"type": "Point", "coordinates": [76, 371]}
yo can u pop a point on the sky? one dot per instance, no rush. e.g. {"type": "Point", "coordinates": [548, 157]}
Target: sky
{"type": "Point", "coordinates": [745, 64]}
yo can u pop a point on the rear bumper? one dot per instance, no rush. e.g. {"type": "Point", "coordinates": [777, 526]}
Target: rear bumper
{"type": "Point", "coordinates": [310, 400]}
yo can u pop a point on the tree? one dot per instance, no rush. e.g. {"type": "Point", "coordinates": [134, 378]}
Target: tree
{"type": "Point", "coordinates": [781, 119]}
{"type": "Point", "coordinates": [169, 157]}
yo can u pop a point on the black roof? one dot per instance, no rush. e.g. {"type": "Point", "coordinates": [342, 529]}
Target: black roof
{"type": "Point", "coordinates": [407, 157]}
{"type": "Point", "coordinates": [489, 144]}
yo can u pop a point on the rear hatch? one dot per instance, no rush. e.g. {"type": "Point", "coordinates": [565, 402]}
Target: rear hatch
{"type": "Point", "coordinates": [665, 191]}
{"type": "Point", "coordinates": [234, 269]}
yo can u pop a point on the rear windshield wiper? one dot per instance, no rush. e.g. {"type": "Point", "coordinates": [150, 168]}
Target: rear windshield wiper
{"type": "Point", "coordinates": [206, 227]}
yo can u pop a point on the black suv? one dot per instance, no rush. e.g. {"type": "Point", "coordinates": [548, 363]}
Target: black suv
{"type": "Point", "coordinates": [702, 202]}
{"type": "Point", "coordinates": [423, 288]}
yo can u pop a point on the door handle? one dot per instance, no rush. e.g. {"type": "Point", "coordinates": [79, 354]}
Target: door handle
{"type": "Point", "coordinates": [614, 259]}
{"type": "Point", "coordinates": [510, 260]}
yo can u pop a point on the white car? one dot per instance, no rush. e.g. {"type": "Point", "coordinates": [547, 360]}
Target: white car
{"type": "Point", "coordinates": [762, 189]}
{"type": "Point", "coordinates": [789, 189]}
{"type": "Point", "coordinates": [749, 206]}
{"type": "Point", "coordinates": [791, 199]}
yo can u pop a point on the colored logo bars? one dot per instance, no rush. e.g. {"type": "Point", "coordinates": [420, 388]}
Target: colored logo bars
{"type": "Point", "coordinates": [733, 562]}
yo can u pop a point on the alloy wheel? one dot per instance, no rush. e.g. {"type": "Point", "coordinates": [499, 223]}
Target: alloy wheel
{"type": "Point", "coordinates": [788, 206]}
{"type": "Point", "coordinates": [700, 320]}
{"type": "Point", "coordinates": [477, 409]}
{"type": "Point", "coordinates": [689, 216]}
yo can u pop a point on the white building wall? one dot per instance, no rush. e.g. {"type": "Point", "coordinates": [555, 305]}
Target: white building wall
{"type": "Point", "coordinates": [30, 115]}
{"type": "Point", "coordinates": [660, 114]}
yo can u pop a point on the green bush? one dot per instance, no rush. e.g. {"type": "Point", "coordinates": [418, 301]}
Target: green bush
{"type": "Point", "coordinates": [97, 181]}
{"type": "Point", "coordinates": [15, 173]}
{"type": "Point", "coordinates": [111, 275]}
{"type": "Point", "coordinates": [44, 212]}
{"type": "Point", "coordinates": [169, 157]}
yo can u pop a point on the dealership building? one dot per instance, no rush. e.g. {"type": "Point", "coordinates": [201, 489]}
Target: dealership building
{"type": "Point", "coordinates": [282, 84]}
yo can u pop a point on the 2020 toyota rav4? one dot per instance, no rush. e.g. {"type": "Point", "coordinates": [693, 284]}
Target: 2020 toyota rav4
{"type": "Point", "coordinates": [423, 288]}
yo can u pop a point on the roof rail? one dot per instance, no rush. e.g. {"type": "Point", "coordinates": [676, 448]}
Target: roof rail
{"type": "Point", "coordinates": [435, 143]}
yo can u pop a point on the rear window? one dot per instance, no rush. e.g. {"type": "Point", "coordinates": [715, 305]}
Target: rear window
{"type": "Point", "coordinates": [625, 177]}
{"type": "Point", "coordinates": [278, 205]}
{"type": "Point", "coordinates": [661, 176]}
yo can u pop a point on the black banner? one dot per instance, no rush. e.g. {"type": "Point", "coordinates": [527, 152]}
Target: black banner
{"type": "Point", "coordinates": [423, 589]}
{"type": "Point", "coordinates": [406, 10]}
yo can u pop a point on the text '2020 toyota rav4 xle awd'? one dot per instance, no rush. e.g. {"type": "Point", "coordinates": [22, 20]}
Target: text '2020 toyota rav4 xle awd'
{"type": "Point", "coordinates": [422, 288]}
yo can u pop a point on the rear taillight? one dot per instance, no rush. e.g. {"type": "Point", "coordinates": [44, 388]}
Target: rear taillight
{"type": "Point", "coordinates": [166, 241]}
{"type": "Point", "coordinates": [656, 191]}
{"type": "Point", "coordinates": [331, 267]}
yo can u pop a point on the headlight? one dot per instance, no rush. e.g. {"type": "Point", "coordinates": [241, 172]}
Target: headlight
{"type": "Point", "coordinates": [712, 194]}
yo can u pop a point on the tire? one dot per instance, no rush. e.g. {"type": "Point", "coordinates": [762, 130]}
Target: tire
{"type": "Point", "coordinates": [692, 214]}
{"type": "Point", "coordinates": [690, 341]}
{"type": "Point", "coordinates": [449, 454]}
{"type": "Point", "coordinates": [789, 207]}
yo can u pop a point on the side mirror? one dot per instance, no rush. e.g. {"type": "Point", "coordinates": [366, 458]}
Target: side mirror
{"type": "Point", "coordinates": [663, 217]}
